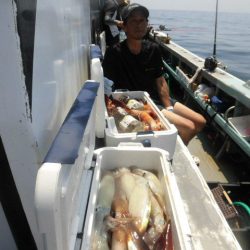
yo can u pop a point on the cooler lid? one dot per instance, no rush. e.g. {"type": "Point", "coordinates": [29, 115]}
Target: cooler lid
{"type": "Point", "coordinates": [77, 128]}
{"type": "Point", "coordinates": [63, 177]}
{"type": "Point", "coordinates": [96, 74]}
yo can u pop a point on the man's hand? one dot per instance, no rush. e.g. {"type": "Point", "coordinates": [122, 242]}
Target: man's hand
{"type": "Point", "coordinates": [119, 23]}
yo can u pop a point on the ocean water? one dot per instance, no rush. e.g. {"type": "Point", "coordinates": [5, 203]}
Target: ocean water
{"type": "Point", "coordinates": [195, 30]}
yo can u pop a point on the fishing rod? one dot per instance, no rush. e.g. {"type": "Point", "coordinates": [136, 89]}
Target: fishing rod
{"type": "Point", "coordinates": [220, 64]}
{"type": "Point", "coordinates": [211, 62]}
{"type": "Point", "coordinates": [215, 29]}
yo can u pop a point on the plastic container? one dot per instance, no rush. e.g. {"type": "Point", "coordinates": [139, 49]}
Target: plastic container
{"type": "Point", "coordinates": [165, 139]}
{"type": "Point", "coordinates": [151, 159]}
{"type": "Point", "coordinates": [240, 224]}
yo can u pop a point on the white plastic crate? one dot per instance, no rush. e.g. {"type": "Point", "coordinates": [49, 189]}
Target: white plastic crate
{"type": "Point", "coordinates": [150, 159]}
{"type": "Point", "coordinates": [165, 139]}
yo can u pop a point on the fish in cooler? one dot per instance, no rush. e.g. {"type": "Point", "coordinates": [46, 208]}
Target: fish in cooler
{"type": "Point", "coordinates": [133, 115]}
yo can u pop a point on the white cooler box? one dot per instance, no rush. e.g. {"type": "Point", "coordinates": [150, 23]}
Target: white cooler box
{"type": "Point", "coordinates": [150, 159]}
{"type": "Point", "coordinates": [68, 182]}
{"type": "Point", "coordinates": [165, 139]}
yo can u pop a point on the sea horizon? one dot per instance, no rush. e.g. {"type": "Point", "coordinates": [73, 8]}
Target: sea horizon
{"type": "Point", "coordinates": [196, 33]}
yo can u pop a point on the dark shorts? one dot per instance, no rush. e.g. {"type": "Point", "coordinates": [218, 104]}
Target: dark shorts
{"type": "Point", "coordinates": [172, 101]}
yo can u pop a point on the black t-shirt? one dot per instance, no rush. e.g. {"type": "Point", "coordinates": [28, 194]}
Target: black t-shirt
{"type": "Point", "coordinates": [134, 72]}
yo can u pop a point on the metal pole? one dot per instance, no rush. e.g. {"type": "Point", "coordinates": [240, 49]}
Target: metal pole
{"type": "Point", "coordinates": [215, 31]}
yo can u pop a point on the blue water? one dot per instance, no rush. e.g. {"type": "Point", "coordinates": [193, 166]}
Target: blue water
{"type": "Point", "coordinates": [195, 31]}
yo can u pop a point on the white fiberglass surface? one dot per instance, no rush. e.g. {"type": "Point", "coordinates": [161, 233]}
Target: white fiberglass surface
{"type": "Point", "coordinates": [209, 229]}
{"type": "Point", "coordinates": [62, 38]}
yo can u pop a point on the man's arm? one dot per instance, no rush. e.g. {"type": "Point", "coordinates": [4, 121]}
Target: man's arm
{"type": "Point", "coordinates": [108, 19]}
{"type": "Point", "coordinates": [163, 91]}
{"type": "Point", "coordinates": [111, 9]}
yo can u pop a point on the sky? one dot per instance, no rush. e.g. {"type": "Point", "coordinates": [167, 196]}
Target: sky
{"type": "Point", "coordinates": [203, 5]}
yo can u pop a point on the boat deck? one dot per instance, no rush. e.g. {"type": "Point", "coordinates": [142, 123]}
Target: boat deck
{"type": "Point", "coordinates": [225, 169]}
{"type": "Point", "coordinates": [208, 166]}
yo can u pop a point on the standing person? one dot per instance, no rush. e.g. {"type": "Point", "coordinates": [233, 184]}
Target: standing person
{"type": "Point", "coordinates": [136, 64]}
{"type": "Point", "coordinates": [112, 20]}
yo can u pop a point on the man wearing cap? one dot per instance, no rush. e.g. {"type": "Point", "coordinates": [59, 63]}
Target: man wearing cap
{"type": "Point", "coordinates": [136, 64]}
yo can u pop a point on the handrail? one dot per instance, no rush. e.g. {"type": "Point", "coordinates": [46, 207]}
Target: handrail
{"type": "Point", "coordinates": [228, 83]}
{"type": "Point", "coordinates": [241, 142]}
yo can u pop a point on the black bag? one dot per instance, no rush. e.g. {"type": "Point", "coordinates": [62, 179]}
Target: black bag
{"type": "Point", "coordinates": [210, 63]}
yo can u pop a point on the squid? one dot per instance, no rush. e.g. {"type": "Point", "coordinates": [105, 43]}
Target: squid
{"type": "Point", "coordinates": [140, 205]}
{"type": "Point", "coordinates": [131, 207]}
{"type": "Point", "coordinates": [154, 185]}
{"type": "Point", "coordinates": [125, 181]}
{"type": "Point", "coordinates": [133, 238]}
{"type": "Point", "coordinates": [120, 210]}
{"type": "Point", "coordinates": [104, 201]}
{"type": "Point", "coordinates": [156, 224]}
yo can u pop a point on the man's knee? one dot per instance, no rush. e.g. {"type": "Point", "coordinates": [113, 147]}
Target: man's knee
{"type": "Point", "coordinates": [190, 127]}
{"type": "Point", "coordinates": [187, 133]}
{"type": "Point", "coordinates": [201, 123]}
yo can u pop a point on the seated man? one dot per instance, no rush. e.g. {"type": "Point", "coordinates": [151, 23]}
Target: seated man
{"type": "Point", "coordinates": [136, 64]}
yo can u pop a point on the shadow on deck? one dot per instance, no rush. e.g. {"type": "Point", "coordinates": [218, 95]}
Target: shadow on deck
{"type": "Point", "coordinates": [232, 165]}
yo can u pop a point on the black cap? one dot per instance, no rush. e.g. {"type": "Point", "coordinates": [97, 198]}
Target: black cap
{"type": "Point", "coordinates": [129, 9]}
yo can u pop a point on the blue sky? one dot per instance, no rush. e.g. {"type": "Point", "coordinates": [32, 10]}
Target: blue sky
{"type": "Point", "coordinates": [204, 5]}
